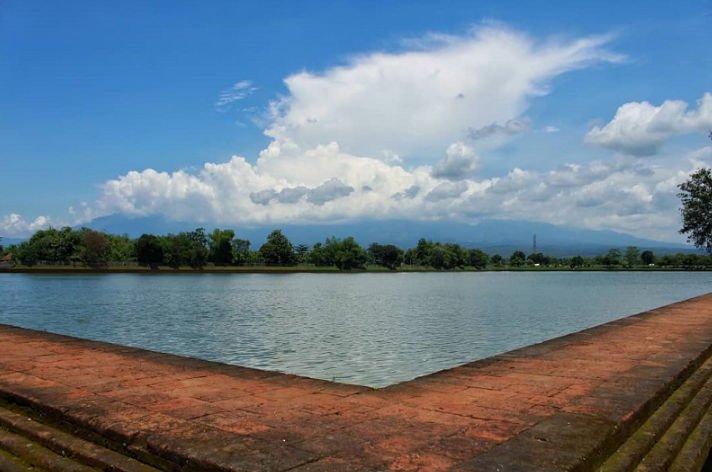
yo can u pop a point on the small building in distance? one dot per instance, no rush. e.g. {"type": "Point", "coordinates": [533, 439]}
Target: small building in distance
{"type": "Point", "coordinates": [6, 261]}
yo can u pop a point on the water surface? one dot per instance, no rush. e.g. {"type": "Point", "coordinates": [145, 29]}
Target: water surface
{"type": "Point", "coordinates": [370, 329]}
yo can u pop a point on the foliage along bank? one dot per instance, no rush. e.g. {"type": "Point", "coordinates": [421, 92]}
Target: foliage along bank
{"type": "Point", "coordinates": [221, 248]}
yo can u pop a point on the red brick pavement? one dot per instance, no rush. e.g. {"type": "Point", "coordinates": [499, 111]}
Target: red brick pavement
{"type": "Point", "coordinates": [553, 406]}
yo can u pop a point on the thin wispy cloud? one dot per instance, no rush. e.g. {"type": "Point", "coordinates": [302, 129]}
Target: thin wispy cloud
{"type": "Point", "coordinates": [239, 91]}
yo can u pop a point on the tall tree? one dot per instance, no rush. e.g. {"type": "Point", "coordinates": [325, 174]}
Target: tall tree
{"type": "Point", "coordinates": [121, 248]}
{"type": "Point", "coordinates": [612, 258]}
{"type": "Point", "coordinates": [301, 251]}
{"type": "Point", "coordinates": [459, 256]}
{"type": "Point", "coordinates": [149, 251]}
{"type": "Point", "coordinates": [241, 251]}
{"type": "Point", "coordinates": [478, 258]}
{"type": "Point", "coordinates": [577, 261]}
{"type": "Point", "coordinates": [277, 249]}
{"type": "Point", "coordinates": [318, 255]}
{"type": "Point", "coordinates": [696, 197]}
{"type": "Point", "coordinates": [647, 257]}
{"type": "Point", "coordinates": [198, 254]}
{"type": "Point", "coordinates": [422, 251]}
{"type": "Point", "coordinates": [538, 258]}
{"type": "Point", "coordinates": [27, 253]}
{"type": "Point", "coordinates": [54, 245]}
{"type": "Point", "coordinates": [95, 247]}
{"type": "Point", "coordinates": [185, 248]}
{"type": "Point", "coordinates": [631, 256]}
{"type": "Point", "coordinates": [386, 255]}
{"type": "Point", "coordinates": [220, 241]}
{"type": "Point", "coordinates": [441, 258]}
{"type": "Point", "coordinates": [350, 255]}
{"type": "Point", "coordinates": [517, 258]}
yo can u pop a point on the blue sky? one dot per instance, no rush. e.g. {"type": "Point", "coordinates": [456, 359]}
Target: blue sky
{"type": "Point", "coordinates": [115, 108]}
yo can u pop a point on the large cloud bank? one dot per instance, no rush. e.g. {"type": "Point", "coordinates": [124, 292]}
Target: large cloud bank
{"type": "Point", "coordinates": [404, 135]}
{"type": "Point", "coordinates": [357, 140]}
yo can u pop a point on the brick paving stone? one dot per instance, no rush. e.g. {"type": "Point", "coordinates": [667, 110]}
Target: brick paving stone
{"type": "Point", "coordinates": [551, 406]}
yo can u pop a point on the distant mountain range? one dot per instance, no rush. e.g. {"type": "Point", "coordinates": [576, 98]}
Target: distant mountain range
{"type": "Point", "coordinates": [493, 236]}
{"type": "Point", "coordinates": [10, 241]}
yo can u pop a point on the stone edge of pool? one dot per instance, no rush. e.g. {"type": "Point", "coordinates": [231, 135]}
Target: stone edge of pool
{"type": "Point", "coordinates": [563, 404]}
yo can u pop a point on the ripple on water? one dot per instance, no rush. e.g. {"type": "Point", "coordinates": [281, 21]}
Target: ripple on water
{"type": "Point", "coordinates": [369, 329]}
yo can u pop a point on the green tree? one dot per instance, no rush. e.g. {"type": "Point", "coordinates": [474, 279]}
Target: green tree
{"type": "Point", "coordinates": [459, 256]}
{"type": "Point", "coordinates": [647, 257]}
{"type": "Point", "coordinates": [631, 256]}
{"type": "Point", "coordinates": [422, 251]}
{"type": "Point", "coordinates": [220, 246]}
{"type": "Point", "coordinates": [345, 254]}
{"type": "Point", "coordinates": [350, 255]}
{"type": "Point", "coordinates": [27, 253]}
{"type": "Point", "coordinates": [409, 257]}
{"type": "Point", "coordinates": [277, 249]}
{"type": "Point", "coordinates": [386, 255]}
{"type": "Point", "coordinates": [175, 249]}
{"type": "Point", "coordinates": [149, 251]}
{"type": "Point", "coordinates": [95, 247]}
{"type": "Point", "coordinates": [241, 253]}
{"type": "Point", "coordinates": [517, 258]}
{"type": "Point", "coordinates": [538, 258]}
{"type": "Point", "coordinates": [53, 245]}
{"type": "Point", "coordinates": [497, 260]}
{"type": "Point", "coordinates": [611, 259]}
{"type": "Point", "coordinates": [198, 253]}
{"type": "Point", "coordinates": [121, 248]}
{"type": "Point", "coordinates": [477, 258]}
{"type": "Point", "coordinates": [301, 252]}
{"type": "Point", "coordinates": [186, 248]}
{"type": "Point", "coordinates": [667, 260]}
{"type": "Point", "coordinates": [441, 258]}
{"type": "Point", "coordinates": [319, 256]}
{"type": "Point", "coordinates": [689, 261]}
{"type": "Point", "coordinates": [576, 262]}
{"type": "Point", "coordinates": [438, 258]}
{"type": "Point", "coordinates": [696, 197]}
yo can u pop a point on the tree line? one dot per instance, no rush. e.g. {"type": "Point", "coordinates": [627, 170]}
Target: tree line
{"type": "Point", "coordinates": [221, 247]}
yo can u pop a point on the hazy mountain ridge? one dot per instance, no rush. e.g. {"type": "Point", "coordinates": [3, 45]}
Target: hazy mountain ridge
{"type": "Point", "coordinates": [5, 242]}
{"type": "Point", "coordinates": [493, 236]}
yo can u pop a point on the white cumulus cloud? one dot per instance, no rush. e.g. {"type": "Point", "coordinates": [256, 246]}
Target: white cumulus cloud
{"type": "Point", "coordinates": [460, 162]}
{"type": "Point", "coordinates": [415, 103]}
{"type": "Point", "coordinates": [15, 225]}
{"type": "Point", "coordinates": [640, 128]}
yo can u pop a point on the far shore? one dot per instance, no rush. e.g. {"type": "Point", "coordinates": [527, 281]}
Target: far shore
{"type": "Point", "coordinates": [299, 269]}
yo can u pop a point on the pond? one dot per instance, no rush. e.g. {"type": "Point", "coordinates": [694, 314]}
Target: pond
{"type": "Point", "coordinates": [371, 329]}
